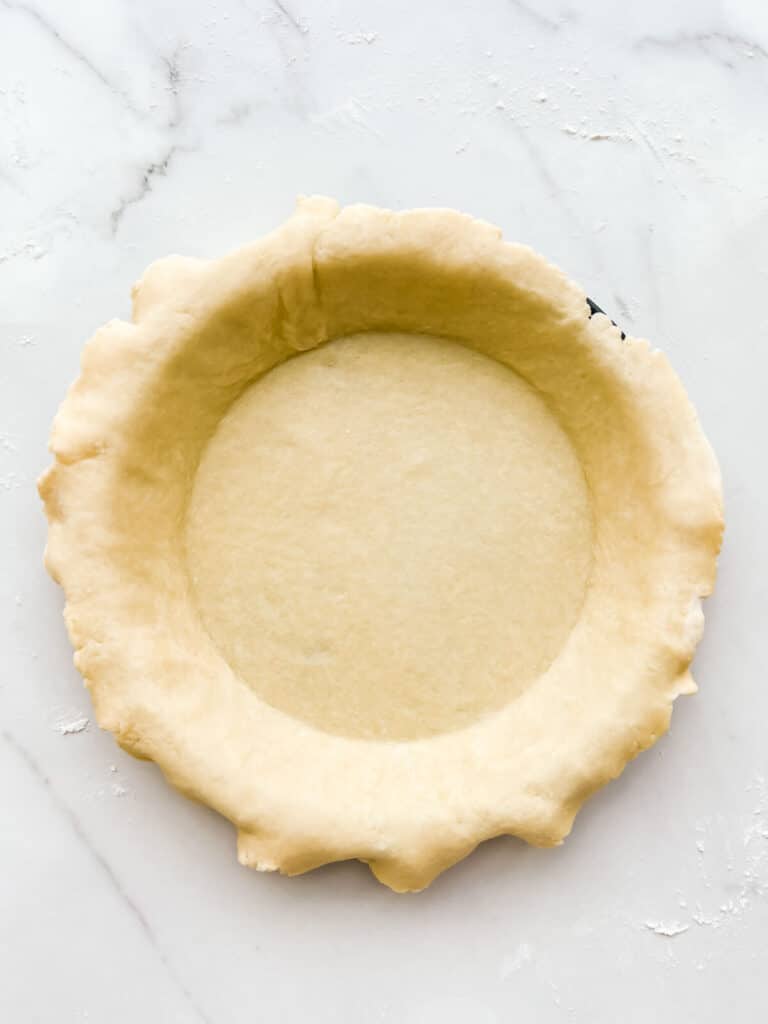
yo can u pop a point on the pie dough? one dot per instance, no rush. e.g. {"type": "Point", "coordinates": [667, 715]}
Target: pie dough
{"type": "Point", "coordinates": [376, 542]}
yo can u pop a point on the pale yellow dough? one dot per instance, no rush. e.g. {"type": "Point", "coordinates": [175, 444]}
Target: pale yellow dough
{"type": "Point", "coordinates": [376, 543]}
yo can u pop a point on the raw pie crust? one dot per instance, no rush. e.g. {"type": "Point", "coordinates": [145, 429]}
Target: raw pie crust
{"type": "Point", "coordinates": [436, 580]}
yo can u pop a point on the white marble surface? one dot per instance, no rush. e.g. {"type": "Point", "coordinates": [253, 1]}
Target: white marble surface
{"type": "Point", "coordinates": [628, 143]}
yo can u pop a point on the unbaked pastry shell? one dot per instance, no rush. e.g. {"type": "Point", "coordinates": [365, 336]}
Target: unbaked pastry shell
{"type": "Point", "coordinates": [128, 441]}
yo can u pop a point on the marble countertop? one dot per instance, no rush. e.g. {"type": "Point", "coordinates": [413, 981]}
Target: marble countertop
{"type": "Point", "coordinates": [625, 142]}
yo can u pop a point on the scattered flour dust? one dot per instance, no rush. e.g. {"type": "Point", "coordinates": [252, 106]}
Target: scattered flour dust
{"type": "Point", "coordinates": [752, 860]}
{"type": "Point", "coordinates": [754, 863]}
{"type": "Point", "coordinates": [69, 728]}
{"type": "Point", "coordinates": [358, 38]}
{"type": "Point", "coordinates": [582, 133]}
{"type": "Point", "coordinates": [512, 962]}
{"type": "Point", "coordinates": [669, 929]}
{"type": "Point", "coordinates": [80, 725]}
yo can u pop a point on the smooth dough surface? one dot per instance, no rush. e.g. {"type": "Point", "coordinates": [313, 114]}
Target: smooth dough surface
{"type": "Point", "coordinates": [377, 542]}
{"type": "Point", "coordinates": [377, 545]}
